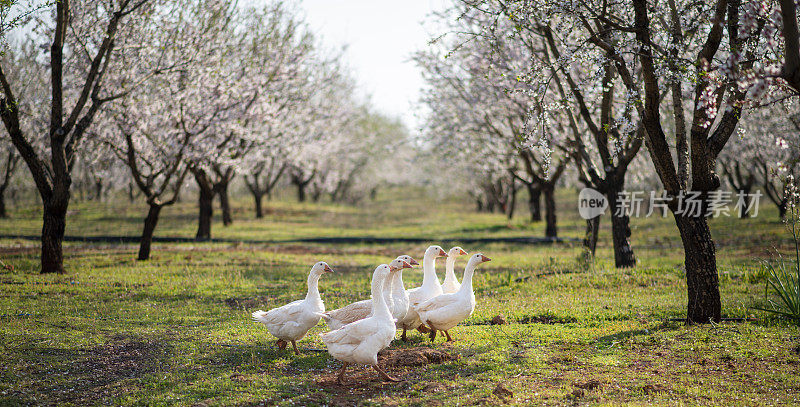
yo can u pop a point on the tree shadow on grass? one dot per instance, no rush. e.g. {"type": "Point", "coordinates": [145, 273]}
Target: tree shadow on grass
{"type": "Point", "coordinates": [620, 336]}
{"type": "Point", "coordinates": [84, 376]}
{"type": "Point", "coordinates": [623, 335]}
{"type": "Point", "coordinates": [226, 357]}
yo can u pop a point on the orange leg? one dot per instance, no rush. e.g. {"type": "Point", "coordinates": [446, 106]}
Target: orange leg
{"type": "Point", "coordinates": [449, 339]}
{"type": "Point", "coordinates": [296, 352]}
{"type": "Point", "coordinates": [340, 376]}
{"type": "Point", "coordinates": [385, 375]}
{"type": "Point", "coordinates": [281, 344]}
{"type": "Point", "coordinates": [403, 336]}
{"type": "Point", "coordinates": [432, 335]}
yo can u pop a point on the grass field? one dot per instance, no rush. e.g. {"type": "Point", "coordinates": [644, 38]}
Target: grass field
{"type": "Point", "coordinates": [176, 330]}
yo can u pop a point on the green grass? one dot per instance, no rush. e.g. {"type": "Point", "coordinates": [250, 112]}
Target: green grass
{"type": "Point", "coordinates": [176, 330]}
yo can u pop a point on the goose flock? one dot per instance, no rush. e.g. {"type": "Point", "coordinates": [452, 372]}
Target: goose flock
{"type": "Point", "coordinates": [360, 330]}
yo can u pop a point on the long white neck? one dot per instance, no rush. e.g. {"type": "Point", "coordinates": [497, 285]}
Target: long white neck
{"type": "Point", "coordinates": [388, 285]}
{"type": "Point", "coordinates": [466, 284]}
{"type": "Point", "coordinates": [449, 270]}
{"type": "Point", "coordinates": [429, 278]}
{"type": "Point", "coordinates": [397, 283]}
{"type": "Point", "coordinates": [313, 287]}
{"type": "Point", "coordinates": [379, 306]}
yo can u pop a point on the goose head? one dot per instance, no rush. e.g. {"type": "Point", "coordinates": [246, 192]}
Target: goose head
{"type": "Point", "coordinates": [321, 268]}
{"type": "Point", "coordinates": [381, 272]}
{"type": "Point", "coordinates": [398, 264]}
{"type": "Point", "coordinates": [408, 259]}
{"type": "Point", "coordinates": [478, 258]}
{"type": "Point", "coordinates": [456, 251]}
{"type": "Point", "coordinates": [434, 252]}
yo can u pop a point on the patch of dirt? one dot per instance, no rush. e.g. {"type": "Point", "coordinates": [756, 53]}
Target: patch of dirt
{"type": "Point", "coordinates": [654, 388]}
{"type": "Point", "coordinates": [577, 393]}
{"type": "Point", "coordinates": [546, 319]}
{"type": "Point", "coordinates": [418, 356]}
{"type": "Point", "coordinates": [360, 383]}
{"type": "Point", "coordinates": [499, 320]}
{"type": "Point", "coordinates": [244, 303]}
{"type": "Point", "coordinates": [95, 374]}
{"type": "Point", "coordinates": [238, 377]}
{"type": "Point", "coordinates": [503, 393]}
{"type": "Point", "coordinates": [566, 359]}
{"type": "Point", "coordinates": [590, 385]}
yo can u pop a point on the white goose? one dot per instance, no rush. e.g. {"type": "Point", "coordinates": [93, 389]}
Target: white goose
{"type": "Point", "coordinates": [361, 309]}
{"type": "Point", "coordinates": [451, 284]}
{"type": "Point", "coordinates": [360, 341]}
{"type": "Point", "coordinates": [399, 297]}
{"type": "Point", "coordinates": [430, 288]}
{"type": "Point", "coordinates": [448, 310]}
{"type": "Point", "coordinates": [292, 321]}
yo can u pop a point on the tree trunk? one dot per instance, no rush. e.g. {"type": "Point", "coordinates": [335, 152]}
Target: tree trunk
{"type": "Point", "coordinates": [590, 240]}
{"type": "Point", "coordinates": [701, 270]}
{"type": "Point", "coordinates": [3, 212]}
{"type": "Point", "coordinates": [534, 203]}
{"type": "Point", "coordinates": [53, 224]}
{"type": "Point", "coordinates": [221, 189]}
{"type": "Point", "coordinates": [512, 201]}
{"type": "Point", "coordinates": [257, 198]}
{"type": "Point", "coordinates": [150, 223]}
{"type": "Point", "coordinates": [551, 230]}
{"type": "Point", "coordinates": [782, 208]}
{"type": "Point", "coordinates": [206, 207]}
{"type": "Point", "coordinates": [620, 231]}
{"type": "Point", "coordinates": [98, 190]}
{"type": "Point", "coordinates": [301, 192]}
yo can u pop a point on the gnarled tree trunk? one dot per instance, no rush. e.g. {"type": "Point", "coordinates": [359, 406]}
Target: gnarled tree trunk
{"type": "Point", "coordinates": [782, 209]}
{"type": "Point", "coordinates": [551, 229]}
{"type": "Point", "coordinates": [11, 163]}
{"type": "Point", "coordinates": [590, 239]}
{"type": "Point", "coordinates": [511, 199]}
{"type": "Point", "coordinates": [257, 198]}
{"type": "Point", "coordinates": [316, 194]}
{"type": "Point", "coordinates": [534, 203]}
{"type": "Point", "coordinates": [620, 229]}
{"type": "Point", "coordinates": [205, 202]}
{"type": "Point", "coordinates": [301, 184]}
{"type": "Point", "coordinates": [221, 189]}
{"type": "Point", "coordinates": [54, 221]}
{"type": "Point", "coordinates": [3, 212]}
{"type": "Point", "coordinates": [701, 270]}
{"type": "Point", "coordinates": [150, 223]}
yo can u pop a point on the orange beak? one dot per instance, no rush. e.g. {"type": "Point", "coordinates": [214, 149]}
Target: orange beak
{"type": "Point", "coordinates": [327, 269]}
{"type": "Point", "coordinates": [485, 259]}
{"type": "Point", "coordinates": [462, 252]}
{"type": "Point", "coordinates": [442, 253]}
{"type": "Point", "coordinates": [413, 262]}
{"type": "Point", "coordinates": [406, 265]}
